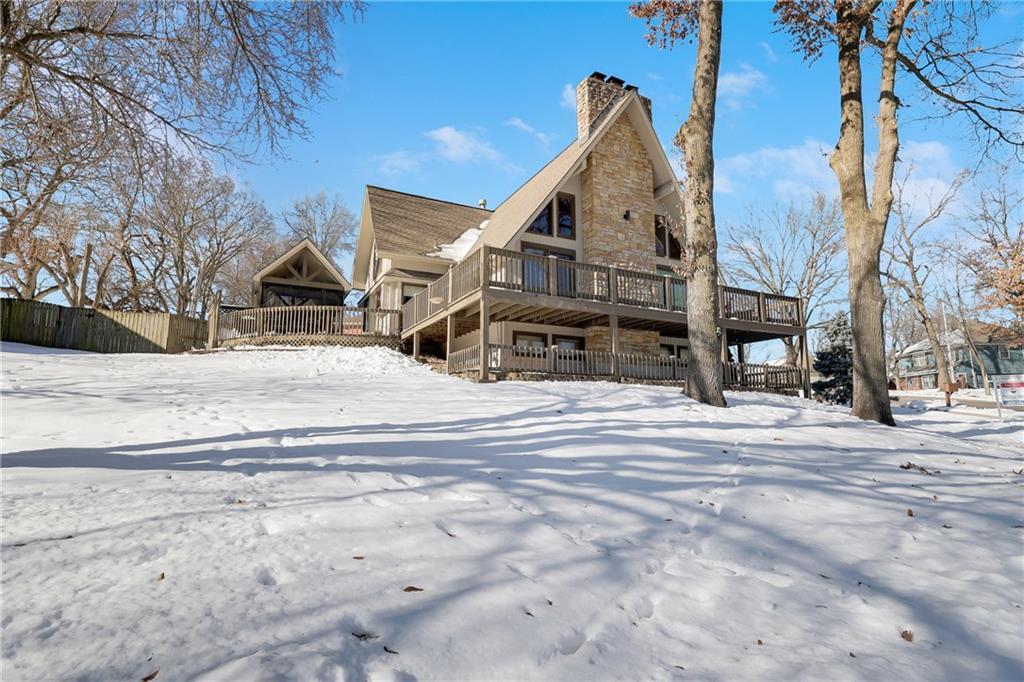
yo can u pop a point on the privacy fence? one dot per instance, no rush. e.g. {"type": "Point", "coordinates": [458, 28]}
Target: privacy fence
{"type": "Point", "coordinates": [101, 331]}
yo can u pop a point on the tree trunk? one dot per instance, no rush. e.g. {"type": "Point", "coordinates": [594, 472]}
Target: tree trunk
{"type": "Point", "coordinates": [695, 139]}
{"type": "Point", "coordinates": [865, 226]}
{"type": "Point", "coordinates": [941, 365]}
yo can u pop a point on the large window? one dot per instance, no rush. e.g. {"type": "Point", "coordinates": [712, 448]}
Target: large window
{"type": "Point", "coordinates": [567, 342]}
{"type": "Point", "coordinates": [535, 274]}
{"type": "Point", "coordinates": [529, 340]}
{"type": "Point", "coordinates": [665, 243]}
{"type": "Point", "coordinates": [558, 218]}
{"type": "Point", "coordinates": [410, 290]}
{"type": "Point", "coordinates": [542, 340]}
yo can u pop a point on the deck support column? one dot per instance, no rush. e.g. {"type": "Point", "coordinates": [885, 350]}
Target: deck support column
{"type": "Point", "coordinates": [724, 355]}
{"type": "Point", "coordinates": [805, 364]}
{"type": "Point", "coordinates": [485, 338]}
{"type": "Point", "coordinates": [449, 339]}
{"type": "Point", "coordinates": [416, 346]}
{"type": "Point", "coordinates": [613, 327]}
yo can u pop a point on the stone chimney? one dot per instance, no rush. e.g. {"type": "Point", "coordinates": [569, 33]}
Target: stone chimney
{"type": "Point", "coordinates": [592, 97]}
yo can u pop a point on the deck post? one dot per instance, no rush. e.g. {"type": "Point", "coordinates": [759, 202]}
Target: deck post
{"type": "Point", "coordinates": [415, 345]}
{"type": "Point", "coordinates": [485, 338]}
{"type": "Point", "coordinates": [668, 292]}
{"type": "Point", "coordinates": [805, 362]}
{"type": "Point", "coordinates": [552, 275]}
{"type": "Point", "coordinates": [613, 326]}
{"type": "Point", "coordinates": [449, 339]}
{"type": "Point", "coordinates": [724, 352]}
{"type": "Point", "coordinates": [213, 323]}
{"type": "Point", "coordinates": [613, 285]}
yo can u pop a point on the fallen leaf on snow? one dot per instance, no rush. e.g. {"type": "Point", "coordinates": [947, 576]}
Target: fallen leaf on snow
{"type": "Point", "coordinates": [907, 635]}
{"type": "Point", "coordinates": [412, 588]}
{"type": "Point", "coordinates": [363, 636]}
{"type": "Point", "coordinates": [161, 576]}
{"type": "Point", "coordinates": [358, 558]}
{"type": "Point", "coordinates": [151, 676]}
{"type": "Point", "coordinates": [910, 512]}
{"type": "Point", "coordinates": [390, 651]}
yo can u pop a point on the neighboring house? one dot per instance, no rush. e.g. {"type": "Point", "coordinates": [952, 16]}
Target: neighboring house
{"type": "Point", "coordinates": [571, 273]}
{"type": "Point", "coordinates": [915, 365]}
{"type": "Point", "coordinates": [302, 275]}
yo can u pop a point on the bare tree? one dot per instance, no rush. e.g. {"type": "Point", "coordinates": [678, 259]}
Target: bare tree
{"type": "Point", "coordinates": [912, 257]}
{"type": "Point", "coordinates": [794, 250]}
{"type": "Point", "coordinates": [668, 22]}
{"type": "Point", "coordinates": [325, 221]}
{"type": "Point", "coordinates": [196, 223]}
{"type": "Point", "coordinates": [938, 46]}
{"type": "Point", "coordinates": [81, 80]}
{"type": "Point", "coordinates": [994, 227]}
{"type": "Point", "coordinates": [902, 327]}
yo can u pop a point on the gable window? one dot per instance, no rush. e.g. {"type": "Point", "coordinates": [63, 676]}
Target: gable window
{"type": "Point", "coordinates": [542, 223]}
{"type": "Point", "coordinates": [558, 218]}
{"type": "Point", "coordinates": [665, 243]}
{"type": "Point", "coordinates": [566, 216]}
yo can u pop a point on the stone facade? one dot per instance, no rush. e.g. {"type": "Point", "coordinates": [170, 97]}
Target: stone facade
{"type": "Point", "coordinates": [618, 178]}
{"type": "Point", "coordinates": [630, 340]}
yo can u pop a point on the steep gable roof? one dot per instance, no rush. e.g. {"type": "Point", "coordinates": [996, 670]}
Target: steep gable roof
{"type": "Point", "coordinates": [520, 207]}
{"type": "Point", "coordinates": [329, 268]}
{"type": "Point", "coordinates": [412, 224]}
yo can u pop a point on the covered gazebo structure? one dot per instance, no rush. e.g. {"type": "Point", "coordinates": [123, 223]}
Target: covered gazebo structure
{"type": "Point", "coordinates": [301, 276]}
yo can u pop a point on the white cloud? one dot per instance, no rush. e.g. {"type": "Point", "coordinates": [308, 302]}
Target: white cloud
{"type": "Point", "coordinates": [654, 76]}
{"type": "Point", "coordinates": [769, 52]}
{"type": "Point", "coordinates": [793, 172]}
{"type": "Point", "coordinates": [397, 162]}
{"type": "Point", "coordinates": [734, 87]}
{"type": "Point", "coordinates": [519, 124]}
{"type": "Point", "coordinates": [569, 96]}
{"type": "Point", "coordinates": [461, 146]}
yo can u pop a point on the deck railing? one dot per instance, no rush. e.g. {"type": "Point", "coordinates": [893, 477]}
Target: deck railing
{"type": "Point", "coordinates": [758, 306]}
{"type": "Point", "coordinates": [766, 377]}
{"type": "Point", "coordinates": [554, 361]}
{"type": "Point", "coordinates": [306, 323]}
{"type": "Point", "coordinates": [548, 275]}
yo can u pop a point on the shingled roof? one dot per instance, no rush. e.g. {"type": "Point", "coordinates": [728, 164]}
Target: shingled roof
{"type": "Point", "coordinates": [409, 223]}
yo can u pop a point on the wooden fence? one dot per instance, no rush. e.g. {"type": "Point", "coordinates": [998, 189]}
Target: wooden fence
{"type": "Point", "coordinates": [100, 331]}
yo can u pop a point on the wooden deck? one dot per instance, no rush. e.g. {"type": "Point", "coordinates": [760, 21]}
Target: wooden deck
{"type": "Point", "coordinates": [561, 363]}
{"type": "Point", "coordinates": [545, 290]}
{"type": "Point", "coordinates": [309, 325]}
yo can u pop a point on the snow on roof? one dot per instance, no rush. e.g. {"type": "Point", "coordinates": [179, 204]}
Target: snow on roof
{"type": "Point", "coordinates": [954, 338]}
{"type": "Point", "coordinates": [458, 249]}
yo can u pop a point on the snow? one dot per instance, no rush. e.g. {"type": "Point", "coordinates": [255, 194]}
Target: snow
{"type": "Point", "coordinates": [260, 514]}
{"type": "Point", "coordinates": [458, 249]}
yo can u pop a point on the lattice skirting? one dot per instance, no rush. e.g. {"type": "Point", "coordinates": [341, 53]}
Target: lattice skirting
{"type": "Point", "coordinates": [298, 340]}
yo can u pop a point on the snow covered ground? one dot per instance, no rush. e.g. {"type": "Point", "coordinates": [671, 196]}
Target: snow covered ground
{"type": "Point", "coordinates": [345, 514]}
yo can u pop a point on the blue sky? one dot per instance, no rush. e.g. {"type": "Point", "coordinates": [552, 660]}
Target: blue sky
{"type": "Point", "coordinates": [465, 101]}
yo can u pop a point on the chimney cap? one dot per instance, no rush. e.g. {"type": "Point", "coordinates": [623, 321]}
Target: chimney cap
{"type": "Point", "coordinates": [598, 75]}
{"type": "Point", "coordinates": [482, 203]}
{"type": "Point", "coordinates": [631, 87]}
{"type": "Point", "coordinates": [614, 80]}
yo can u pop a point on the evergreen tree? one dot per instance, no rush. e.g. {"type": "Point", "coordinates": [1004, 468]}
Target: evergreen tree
{"type": "Point", "coordinates": [835, 361]}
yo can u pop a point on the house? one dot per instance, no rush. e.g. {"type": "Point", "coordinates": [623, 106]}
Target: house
{"type": "Point", "coordinates": [574, 273]}
{"type": "Point", "coordinates": [915, 365]}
